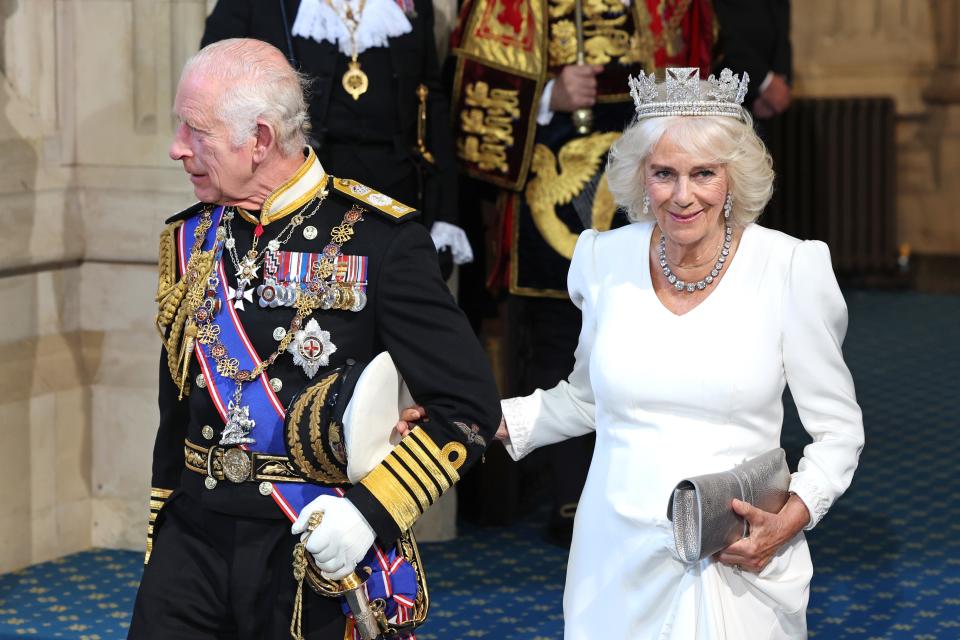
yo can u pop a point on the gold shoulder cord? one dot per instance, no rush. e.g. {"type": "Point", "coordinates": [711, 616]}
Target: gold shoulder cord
{"type": "Point", "coordinates": [177, 298]}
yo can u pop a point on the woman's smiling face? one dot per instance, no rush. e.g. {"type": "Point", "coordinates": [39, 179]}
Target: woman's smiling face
{"type": "Point", "coordinates": [687, 193]}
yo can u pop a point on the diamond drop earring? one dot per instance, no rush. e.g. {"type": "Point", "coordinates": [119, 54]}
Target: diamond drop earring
{"type": "Point", "coordinates": [645, 210]}
{"type": "Point", "coordinates": [728, 206]}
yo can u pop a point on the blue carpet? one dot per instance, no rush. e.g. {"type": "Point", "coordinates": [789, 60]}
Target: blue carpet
{"type": "Point", "coordinates": [886, 558]}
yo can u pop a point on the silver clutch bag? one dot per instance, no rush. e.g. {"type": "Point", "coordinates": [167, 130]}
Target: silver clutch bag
{"type": "Point", "coordinates": [703, 520]}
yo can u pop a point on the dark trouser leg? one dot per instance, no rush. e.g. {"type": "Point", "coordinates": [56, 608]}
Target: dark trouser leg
{"type": "Point", "coordinates": [551, 329]}
{"type": "Point", "coordinates": [215, 577]}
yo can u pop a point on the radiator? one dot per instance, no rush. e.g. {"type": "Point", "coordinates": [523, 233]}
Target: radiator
{"type": "Point", "coordinates": [834, 160]}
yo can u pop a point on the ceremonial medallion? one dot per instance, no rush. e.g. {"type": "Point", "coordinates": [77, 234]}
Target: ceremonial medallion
{"type": "Point", "coordinates": [201, 381]}
{"type": "Point", "coordinates": [236, 465]}
{"type": "Point", "coordinates": [248, 268]}
{"type": "Point", "coordinates": [239, 424]}
{"type": "Point", "coordinates": [355, 81]}
{"type": "Point", "coordinates": [279, 334]}
{"type": "Point", "coordinates": [276, 384]}
{"type": "Point", "coordinates": [311, 348]}
{"type": "Point", "coordinates": [309, 232]}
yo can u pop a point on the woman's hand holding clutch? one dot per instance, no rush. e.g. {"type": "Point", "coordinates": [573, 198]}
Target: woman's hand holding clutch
{"type": "Point", "coordinates": [768, 532]}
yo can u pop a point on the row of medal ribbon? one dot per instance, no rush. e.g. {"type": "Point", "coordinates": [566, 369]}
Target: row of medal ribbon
{"type": "Point", "coordinates": [339, 295]}
{"type": "Point", "coordinates": [286, 272]}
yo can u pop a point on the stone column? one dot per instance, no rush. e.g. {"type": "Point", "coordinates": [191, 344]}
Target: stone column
{"type": "Point", "coordinates": [935, 234]}
{"type": "Point", "coordinates": [945, 84]}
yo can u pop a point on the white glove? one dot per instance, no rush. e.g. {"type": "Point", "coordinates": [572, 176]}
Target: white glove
{"type": "Point", "coordinates": [450, 236]}
{"type": "Point", "coordinates": [341, 540]}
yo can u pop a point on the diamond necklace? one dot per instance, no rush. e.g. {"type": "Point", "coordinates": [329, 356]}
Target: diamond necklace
{"type": "Point", "coordinates": [700, 285]}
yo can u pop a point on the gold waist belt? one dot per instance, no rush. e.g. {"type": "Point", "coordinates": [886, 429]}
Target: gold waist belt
{"type": "Point", "coordinates": [238, 465]}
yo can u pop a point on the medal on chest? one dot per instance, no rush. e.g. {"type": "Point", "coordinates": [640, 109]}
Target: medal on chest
{"type": "Point", "coordinates": [311, 348]}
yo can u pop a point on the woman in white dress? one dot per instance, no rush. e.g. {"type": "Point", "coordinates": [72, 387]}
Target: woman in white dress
{"type": "Point", "coordinates": [694, 319]}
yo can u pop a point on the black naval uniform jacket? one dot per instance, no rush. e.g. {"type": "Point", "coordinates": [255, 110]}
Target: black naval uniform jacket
{"type": "Point", "coordinates": [372, 139]}
{"type": "Point", "coordinates": [409, 313]}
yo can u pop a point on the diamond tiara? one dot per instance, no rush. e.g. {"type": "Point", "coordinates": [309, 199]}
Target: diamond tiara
{"type": "Point", "coordinates": [683, 94]}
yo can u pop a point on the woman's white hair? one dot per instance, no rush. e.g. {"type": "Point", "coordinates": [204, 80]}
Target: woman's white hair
{"type": "Point", "coordinates": [713, 139]}
{"type": "Point", "coordinates": [259, 83]}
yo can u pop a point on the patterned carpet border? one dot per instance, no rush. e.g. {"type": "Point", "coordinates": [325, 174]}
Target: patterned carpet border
{"type": "Point", "coordinates": [887, 557]}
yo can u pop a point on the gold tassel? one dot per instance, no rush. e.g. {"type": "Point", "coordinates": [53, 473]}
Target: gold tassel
{"type": "Point", "coordinates": [186, 351]}
{"type": "Point", "coordinates": [299, 572]}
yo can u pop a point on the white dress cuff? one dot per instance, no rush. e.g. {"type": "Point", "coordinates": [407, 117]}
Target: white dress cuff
{"type": "Point", "coordinates": [450, 236]}
{"type": "Point", "coordinates": [817, 504]}
{"type": "Point", "coordinates": [544, 115]}
{"type": "Point", "coordinates": [519, 419]}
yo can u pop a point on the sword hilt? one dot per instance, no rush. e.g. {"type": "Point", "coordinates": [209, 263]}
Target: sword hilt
{"type": "Point", "coordinates": [369, 618]}
{"type": "Point", "coordinates": [582, 118]}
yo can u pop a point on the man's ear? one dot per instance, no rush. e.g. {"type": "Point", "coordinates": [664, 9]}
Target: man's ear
{"type": "Point", "coordinates": [266, 138]}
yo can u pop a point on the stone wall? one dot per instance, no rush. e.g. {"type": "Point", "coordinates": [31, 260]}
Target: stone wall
{"type": "Point", "coordinates": [85, 94]}
{"type": "Point", "coordinates": [85, 182]}
{"type": "Point", "coordinates": [906, 49]}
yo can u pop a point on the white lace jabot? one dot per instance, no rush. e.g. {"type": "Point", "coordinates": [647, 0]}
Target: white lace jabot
{"type": "Point", "coordinates": [381, 19]}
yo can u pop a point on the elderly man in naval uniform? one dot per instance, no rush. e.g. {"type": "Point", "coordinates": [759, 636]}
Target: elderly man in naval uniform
{"type": "Point", "coordinates": [272, 288]}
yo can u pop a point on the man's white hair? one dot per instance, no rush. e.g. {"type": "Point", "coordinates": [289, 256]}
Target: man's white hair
{"type": "Point", "coordinates": [259, 83]}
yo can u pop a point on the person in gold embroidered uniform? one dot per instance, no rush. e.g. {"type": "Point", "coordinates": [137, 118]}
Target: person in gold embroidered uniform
{"type": "Point", "coordinates": [521, 78]}
{"type": "Point", "coordinates": [278, 281]}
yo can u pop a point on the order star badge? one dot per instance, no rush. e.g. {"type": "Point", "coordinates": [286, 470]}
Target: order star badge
{"type": "Point", "coordinates": [239, 295]}
{"type": "Point", "coordinates": [311, 348]}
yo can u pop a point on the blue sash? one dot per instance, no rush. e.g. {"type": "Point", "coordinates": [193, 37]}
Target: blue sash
{"type": "Point", "coordinates": [265, 408]}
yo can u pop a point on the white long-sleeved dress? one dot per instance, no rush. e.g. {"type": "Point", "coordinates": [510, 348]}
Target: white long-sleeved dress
{"type": "Point", "coordinates": [677, 396]}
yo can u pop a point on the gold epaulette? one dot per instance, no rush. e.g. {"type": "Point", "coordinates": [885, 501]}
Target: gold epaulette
{"type": "Point", "coordinates": [177, 298]}
{"type": "Point", "coordinates": [392, 209]}
{"type": "Point", "coordinates": [158, 497]}
{"type": "Point", "coordinates": [414, 475]}
{"type": "Point", "coordinates": [170, 289]}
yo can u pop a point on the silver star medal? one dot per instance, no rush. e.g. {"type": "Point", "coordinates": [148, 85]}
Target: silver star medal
{"type": "Point", "coordinates": [311, 348]}
{"type": "Point", "coordinates": [239, 425]}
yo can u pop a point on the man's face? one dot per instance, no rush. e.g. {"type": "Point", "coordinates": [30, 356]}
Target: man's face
{"type": "Point", "coordinates": [219, 172]}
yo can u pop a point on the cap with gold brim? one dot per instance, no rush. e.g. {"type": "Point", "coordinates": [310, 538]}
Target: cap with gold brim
{"type": "Point", "coordinates": [341, 427]}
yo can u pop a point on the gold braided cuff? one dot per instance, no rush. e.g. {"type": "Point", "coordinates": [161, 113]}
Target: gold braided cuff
{"type": "Point", "coordinates": [415, 474]}
{"type": "Point", "coordinates": [158, 497]}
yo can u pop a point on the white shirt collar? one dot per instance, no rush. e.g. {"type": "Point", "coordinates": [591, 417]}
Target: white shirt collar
{"type": "Point", "coordinates": [380, 20]}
